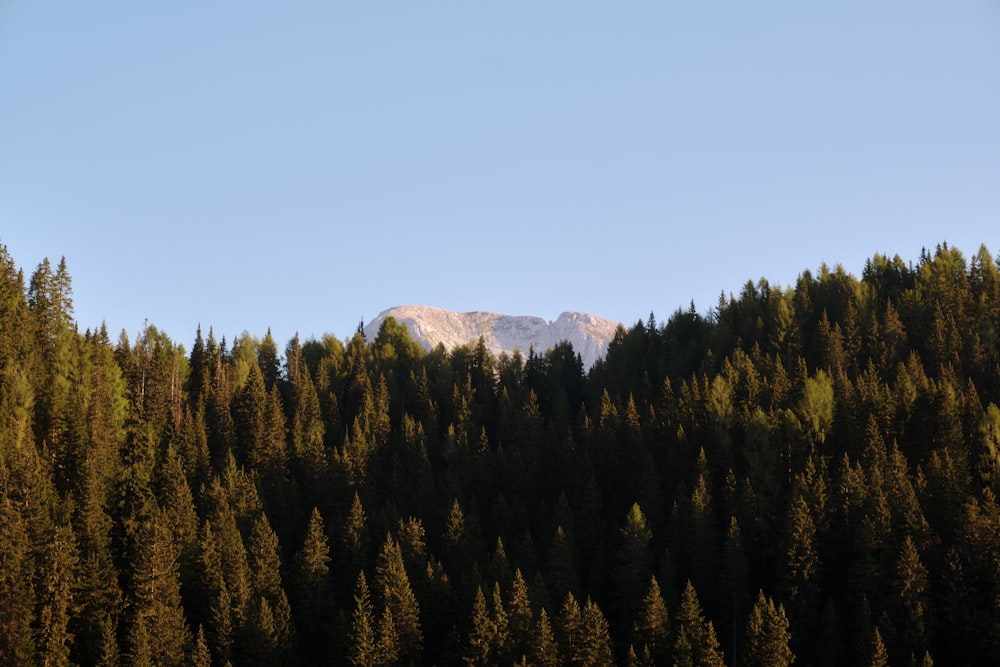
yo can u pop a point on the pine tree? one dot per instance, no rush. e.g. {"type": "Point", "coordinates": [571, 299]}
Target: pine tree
{"type": "Point", "coordinates": [177, 503]}
{"type": "Point", "coordinates": [200, 656]}
{"type": "Point", "coordinates": [51, 306]}
{"type": "Point", "coordinates": [391, 578]}
{"type": "Point", "coordinates": [544, 649]}
{"type": "Point", "coordinates": [139, 651]}
{"type": "Point", "coordinates": [570, 630]}
{"type": "Point", "coordinates": [16, 592]}
{"type": "Point", "coordinates": [652, 624]}
{"type": "Point", "coordinates": [481, 649]}
{"type": "Point", "coordinates": [56, 598]}
{"type": "Point", "coordinates": [156, 596]}
{"type": "Point", "coordinates": [213, 596]}
{"type": "Point", "coordinates": [388, 639]}
{"type": "Point", "coordinates": [910, 585]}
{"type": "Point", "coordinates": [313, 596]}
{"type": "Point", "coordinates": [519, 614]}
{"type": "Point", "coordinates": [306, 428]}
{"type": "Point", "coordinates": [355, 544]}
{"type": "Point", "coordinates": [694, 640]}
{"type": "Point", "coordinates": [802, 569]}
{"type": "Point", "coordinates": [264, 559]}
{"type": "Point", "coordinates": [97, 595]}
{"type": "Point", "coordinates": [767, 637]}
{"type": "Point", "coordinates": [363, 645]}
{"type": "Point", "coordinates": [634, 563]}
{"type": "Point", "coordinates": [879, 657]}
{"type": "Point", "coordinates": [595, 644]}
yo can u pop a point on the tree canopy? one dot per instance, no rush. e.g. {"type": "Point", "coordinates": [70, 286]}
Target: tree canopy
{"type": "Point", "coordinates": [832, 446]}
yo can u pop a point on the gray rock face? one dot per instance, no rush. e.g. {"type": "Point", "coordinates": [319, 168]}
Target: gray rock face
{"type": "Point", "coordinates": [588, 334]}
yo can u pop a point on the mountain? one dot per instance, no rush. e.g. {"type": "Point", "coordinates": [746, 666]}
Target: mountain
{"type": "Point", "coordinates": [588, 334]}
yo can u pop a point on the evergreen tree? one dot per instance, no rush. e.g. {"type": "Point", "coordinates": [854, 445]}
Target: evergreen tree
{"type": "Point", "coordinates": [694, 640]}
{"type": "Point", "coordinates": [802, 568]}
{"type": "Point", "coordinates": [652, 624]}
{"type": "Point", "coordinates": [363, 645]}
{"type": "Point", "coordinates": [273, 609]}
{"type": "Point", "coordinates": [314, 610]}
{"type": "Point", "coordinates": [388, 638]}
{"type": "Point", "coordinates": [544, 649]}
{"type": "Point", "coordinates": [595, 642]}
{"type": "Point", "coordinates": [634, 564]}
{"type": "Point", "coordinates": [156, 598]}
{"type": "Point", "coordinates": [910, 600]}
{"type": "Point", "coordinates": [200, 656]}
{"type": "Point", "coordinates": [571, 630]}
{"type": "Point", "coordinates": [51, 305]}
{"type": "Point", "coordinates": [16, 593]}
{"type": "Point", "coordinates": [56, 597]}
{"type": "Point", "coordinates": [767, 635]}
{"type": "Point", "coordinates": [482, 648]}
{"type": "Point", "coordinates": [519, 615]}
{"type": "Point", "coordinates": [391, 578]}
{"type": "Point", "coordinates": [879, 657]}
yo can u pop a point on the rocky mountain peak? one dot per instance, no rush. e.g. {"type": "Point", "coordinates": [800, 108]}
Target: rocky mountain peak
{"type": "Point", "coordinates": [588, 334]}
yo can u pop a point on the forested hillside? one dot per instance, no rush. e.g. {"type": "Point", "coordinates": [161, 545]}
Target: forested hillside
{"type": "Point", "coordinates": [805, 473]}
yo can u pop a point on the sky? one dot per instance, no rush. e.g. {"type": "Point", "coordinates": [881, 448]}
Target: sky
{"type": "Point", "coordinates": [301, 167]}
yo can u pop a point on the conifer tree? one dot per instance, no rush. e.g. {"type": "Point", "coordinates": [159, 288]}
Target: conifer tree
{"type": "Point", "coordinates": [879, 657]}
{"type": "Point", "coordinates": [355, 544]}
{"type": "Point", "coordinates": [694, 640]}
{"type": "Point", "coordinates": [139, 652]}
{"type": "Point", "coordinates": [215, 603]}
{"type": "Point", "coordinates": [595, 642]}
{"type": "Point", "coordinates": [570, 630]}
{"type": "Point", "coordinates": [910, 599]}
{"type": "Point", "coordinates": [200, 656]}
{"type": "Point", "coordinates": [51, 306]}
{"type": "Point", "coordinates": [519, 615]}
{"type": "Point", "coordinates": [156, 597]}
{"type": "Point", "coordinates": [16, 592]}
{"type": "Point", "coordinates": [544, 649]}
{"type": "Point", "coordinates": [391, 578]}
{"type": "Point", "coordinates": [767, 636]}
{"type": "Point", "coordinates": [363, 644]}
{"type": "Point", "coordinates": [481, 648]}
{"type": "Point", "coordinates": [56, 597]}
{"type": "Point", "coordinates": [306, 429]}
{"type": "Point", "coordinates": [264, 560]}
{"type": "Point", "coordinates": [388, 639]}
{"type": "Point", "coordinates": [314, 610]}
{"type": "Point", "coordinates": [634, 563]}
{"type": "Point", "coordinates": [802, 568]}
{"type": "Point", "coordinates": [652, 624]}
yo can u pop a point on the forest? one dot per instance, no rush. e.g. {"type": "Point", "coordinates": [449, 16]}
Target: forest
{"type": "Point", "coordinates": [804, 474]}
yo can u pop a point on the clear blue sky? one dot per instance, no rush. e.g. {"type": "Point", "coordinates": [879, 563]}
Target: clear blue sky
{"type": "Point", "coordinates": [304, 165]}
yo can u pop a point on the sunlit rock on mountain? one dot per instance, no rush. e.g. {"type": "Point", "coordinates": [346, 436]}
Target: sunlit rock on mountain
{"type": "Point", "coordinates": [588, 334]}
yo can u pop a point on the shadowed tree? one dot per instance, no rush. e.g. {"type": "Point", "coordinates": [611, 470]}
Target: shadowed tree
{"type": "Point", "coordinates": [634, 563]}
{"type": "Point", "coordinates": [362, 650]}
{"type": "Point", "coordinates": [392, 580]}
{"type": "Point", "coordinates": [313, 600]}
{"type": "Point", "coordinates": [652, 624]}
{"type": "Point", "coordinates": [767, 636]}
{"type": "Point", "coordinates": [16, 593]}
{"type": "Point", "coordinates": [694, 640]}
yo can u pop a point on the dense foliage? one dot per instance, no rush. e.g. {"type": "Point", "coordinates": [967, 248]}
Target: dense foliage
{"type": "Point", "coordinates": [806, 474]}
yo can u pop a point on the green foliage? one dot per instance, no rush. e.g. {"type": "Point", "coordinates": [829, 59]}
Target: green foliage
{"type": "Point", "coordinates": [767, 635]}
{"type": "Point", "coordinates": [835, 441]}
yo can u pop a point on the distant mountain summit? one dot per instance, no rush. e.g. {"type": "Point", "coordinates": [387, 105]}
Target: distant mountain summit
{"type": "Point", "coordinates": [588, 334]}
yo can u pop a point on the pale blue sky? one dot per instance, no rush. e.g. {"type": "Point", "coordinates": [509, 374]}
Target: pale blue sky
{"type": "Point", "coordinates": [302, 166]}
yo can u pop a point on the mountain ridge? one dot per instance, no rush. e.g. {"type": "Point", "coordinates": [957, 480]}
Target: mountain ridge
{"type": "Point", "coordinates": [588, 334]}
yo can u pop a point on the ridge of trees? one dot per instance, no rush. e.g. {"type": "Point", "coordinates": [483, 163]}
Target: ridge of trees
{"type": "Point", "coordinates": [806, 474]}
